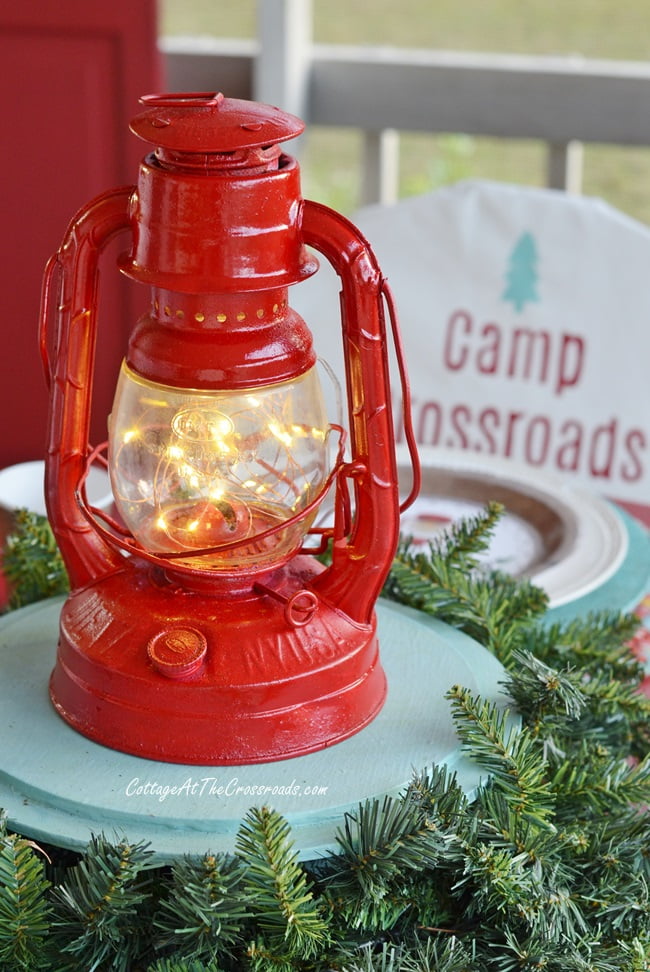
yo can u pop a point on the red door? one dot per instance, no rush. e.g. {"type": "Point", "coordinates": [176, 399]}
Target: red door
{"type": "Point", "coordinates": [71, 74]}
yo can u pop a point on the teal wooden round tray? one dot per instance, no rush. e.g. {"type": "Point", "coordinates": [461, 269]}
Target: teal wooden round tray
{"type": "Point", "coordinates": [59, 787]}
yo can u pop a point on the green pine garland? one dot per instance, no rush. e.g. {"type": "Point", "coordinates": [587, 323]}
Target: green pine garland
{"type": "Point", "coordinates": [31, 561]}
{"type": "Point", "coordinates": [24, 908]}
{"type": "Point", "coordinates": [98, 920]}
{"type": "Point", "coordinates": [290, 922]}
{"type": "Point", "coordinates": [203, 913]}
{"type": "Point", "coordinates": [548, 867]}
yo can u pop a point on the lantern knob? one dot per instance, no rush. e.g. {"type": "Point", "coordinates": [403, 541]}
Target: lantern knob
{"type": "Point", "coordinates": [177, 651]}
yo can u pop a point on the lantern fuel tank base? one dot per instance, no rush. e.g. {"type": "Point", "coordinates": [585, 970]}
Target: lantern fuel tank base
{"type": "Point", "coordinates": [180, 677]}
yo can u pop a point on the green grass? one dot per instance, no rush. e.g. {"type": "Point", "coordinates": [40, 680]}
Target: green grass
{"type": "Point", "coordinates": [618, 29]}
{"type": "Point", "coordinates": [594, 28]}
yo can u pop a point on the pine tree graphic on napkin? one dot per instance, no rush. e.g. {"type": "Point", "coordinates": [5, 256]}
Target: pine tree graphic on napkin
{"type": "Point", "coordinates": [521, 278]}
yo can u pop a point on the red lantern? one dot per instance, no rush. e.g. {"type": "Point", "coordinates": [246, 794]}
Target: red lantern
{"type": "Point", "coordinates": [200, 627]}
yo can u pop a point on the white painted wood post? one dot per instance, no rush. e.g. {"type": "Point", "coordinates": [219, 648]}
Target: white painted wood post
{"type": "Point", "coordinates": [380, 167]}
{"type": "Point", "coordinates": [281, 71]}
{"type": "Point", "coordinates": [565, 166]}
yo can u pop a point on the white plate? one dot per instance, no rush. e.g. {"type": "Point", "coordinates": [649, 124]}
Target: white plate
{"type": "Point", "coordinates": [566, 540]}
{"type": "Point", "coordinates": [22, 485]}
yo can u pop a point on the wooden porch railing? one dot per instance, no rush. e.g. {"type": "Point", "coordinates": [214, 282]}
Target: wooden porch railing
{"type": "Point", "coordinates": [563, 101]}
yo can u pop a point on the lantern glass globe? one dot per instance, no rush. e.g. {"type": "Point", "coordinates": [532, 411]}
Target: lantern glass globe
{"type": "Point", "coordinates": [210, 477]}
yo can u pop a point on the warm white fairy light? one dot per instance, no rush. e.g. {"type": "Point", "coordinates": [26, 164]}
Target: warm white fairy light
{"type": "Point", "coordinates": [281, 434]}
{"type": "Point", "coordinates": [222, 427]}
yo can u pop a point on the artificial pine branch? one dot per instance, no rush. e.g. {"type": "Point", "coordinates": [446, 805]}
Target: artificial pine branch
{"type": "Point", "coordinates": [615, 785]}
{"type": "Point", "coordinates": [428, 956]}
{"type": "Point", "coordinates": [436, 791]}
{"type": "Point", "coordinates": [203, 914]}
{"type": "Point", "coordinates": [626, 916]}
{"type": "Point", "coordinates": [24, 907]}
{"type": "Point", "coordinates": [447, 583]}
{"type": "Point", "coordinates": [503, 891]}
{"type": "Point", "coordinates": [573, 705]}
{"type": "Point", "coordinates": [535, 951]}
{"type": "Point", "coordinates": [98, 923]}
{"type": "Point", "coordinates": [543, 693]}
{"type": "Point", "coordinates": [371, 959]}
{"type": "Point", "coordinates": [597, 642]}
{"type": "Point", "coordinates": [638, 951]}
{"type": "Point", "coordinates": [498, 825]}
{"type": "Point", "coordinates": [447, 955]}
{"type": "Point", "coordinates": [378, 847]}
{"type": "Point", "coordinates": [621, 709]}
{"type": "Point", "coordinates": [31, 561]}
{"type": "Point", "coordinates": [183, 965]}
{"type": "Point", "coordinates": [291, 922]}
{"type": "Point", "coordinates": [551, 702]}
{"type": "Point", "coordinates": [466, 538]}
{"type": "Point", "coordinates": [509, 754]}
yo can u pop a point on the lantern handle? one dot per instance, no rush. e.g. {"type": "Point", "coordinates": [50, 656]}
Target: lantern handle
{"type": "Point", "coordinates": [51, 267]}
{"type": "Point", "coordinates": [70, 330]}
{"type": "Point", "coordinates": [375, 530]}
{"type": "Point", "coordinates": [407, 416]}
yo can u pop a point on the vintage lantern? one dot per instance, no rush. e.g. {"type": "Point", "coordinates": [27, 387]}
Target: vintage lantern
{"type": "Point", "coordinates": [200, 627]}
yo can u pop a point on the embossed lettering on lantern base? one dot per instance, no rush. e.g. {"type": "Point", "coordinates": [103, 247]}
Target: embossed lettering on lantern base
{"type": "Point", "coordinates": [240, 687]}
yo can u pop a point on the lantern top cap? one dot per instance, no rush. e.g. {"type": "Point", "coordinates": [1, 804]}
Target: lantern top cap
{"type": "Point", "coordinates": [210, 122]}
